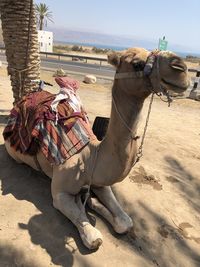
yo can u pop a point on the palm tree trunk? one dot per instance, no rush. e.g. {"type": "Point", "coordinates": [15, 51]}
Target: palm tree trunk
{"type": "Point", "coordinates": [21, 43]}
{"type": "Point", "coordinates": [41, 23]}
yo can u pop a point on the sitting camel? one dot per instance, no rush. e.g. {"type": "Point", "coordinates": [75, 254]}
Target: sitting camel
{"type": "Point", "coordinates": [102, 164]}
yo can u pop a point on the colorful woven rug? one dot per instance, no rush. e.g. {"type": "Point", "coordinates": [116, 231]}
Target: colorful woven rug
{"type": "Point", "coordinates": [32, 125]}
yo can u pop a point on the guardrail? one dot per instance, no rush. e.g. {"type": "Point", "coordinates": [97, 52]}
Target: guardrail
{"type": "Point", "coordinates": [197, 78]}
{"type": "Point", "coordinates": [193, 92]}
{"type": "Point", "coordinates": [73, 57]}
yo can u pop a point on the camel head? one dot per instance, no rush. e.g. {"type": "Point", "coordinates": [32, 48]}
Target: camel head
{"type": "Point", "coordinates": [139, 72]}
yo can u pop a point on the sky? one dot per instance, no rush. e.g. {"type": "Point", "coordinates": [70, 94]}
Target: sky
{"type": "Point", "coordinates": [177, 20]}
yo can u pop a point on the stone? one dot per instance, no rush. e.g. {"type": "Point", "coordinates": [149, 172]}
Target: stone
{"type": "Point", "coordinates": [90, 79]}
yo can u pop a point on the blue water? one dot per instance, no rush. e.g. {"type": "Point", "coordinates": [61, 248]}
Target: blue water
{"type": "Point", "coordinates": [184, 54]}
{"type": "Point", "coordinates": [112, 47]}
{"type": "Point", "coordinates": [119, 48]}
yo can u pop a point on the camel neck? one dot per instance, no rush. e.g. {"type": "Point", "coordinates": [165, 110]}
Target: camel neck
{"type": "Point", "coordinates": [118, 149]}
{"type": "Point", "coordinates": [124, 117]}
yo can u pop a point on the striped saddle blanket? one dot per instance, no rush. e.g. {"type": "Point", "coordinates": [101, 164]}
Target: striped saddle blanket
{"type": "Point", "coordinates": [32, 125]}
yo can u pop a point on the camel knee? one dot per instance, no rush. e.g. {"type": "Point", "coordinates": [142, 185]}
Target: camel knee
{"type": "Point", "coordinates": [57, 199]}
{"type": "Point", "coordinates": [63, 202]}
{"type": "Point", "coordinates": [122, 224]}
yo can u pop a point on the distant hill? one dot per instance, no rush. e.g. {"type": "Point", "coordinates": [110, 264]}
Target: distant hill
{"type": "Point", "coordinates": [66, 35]}
{"type": "Point", "coordinates": [72, 36]}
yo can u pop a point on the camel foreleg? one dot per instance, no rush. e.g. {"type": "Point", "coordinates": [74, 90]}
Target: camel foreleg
{"type": "Point", "coordinates": [72, 207]}
{"type": "Point", "coordinates": [108, 207]}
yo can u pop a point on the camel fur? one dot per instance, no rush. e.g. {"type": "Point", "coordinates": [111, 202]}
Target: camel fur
{"type": "Point", "coordinates": [108, 162]}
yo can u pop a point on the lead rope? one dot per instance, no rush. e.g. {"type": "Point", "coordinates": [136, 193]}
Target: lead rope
{"type": "Point", "coordinates": [139, 153]}
{"type": "Point", "coordinates": [153, 56]}
{"type": "Point", "coordinates": [87, 194]}
{"type": "Point", "coordinates": [163, 91]}
{"type": "Point", "coordinates": [123, 121]}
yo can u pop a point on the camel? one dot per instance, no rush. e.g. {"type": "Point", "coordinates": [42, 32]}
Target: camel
{"type": "Point", "coordinates": [99, 165]}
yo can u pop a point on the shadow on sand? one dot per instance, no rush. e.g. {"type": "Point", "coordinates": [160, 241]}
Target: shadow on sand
{"type": "Point", "coordinates": [11, 256]}
{"type": "Point", "coordinates": [158, 240]}
{"type": "Point", "coordinates": [183, 180]}
{"type": "Point", "coordinates": [161, 243]}
{"type": "Point", "coordinates": [50, 229]}
{"type": "Point", "coordinates": [3, 119]}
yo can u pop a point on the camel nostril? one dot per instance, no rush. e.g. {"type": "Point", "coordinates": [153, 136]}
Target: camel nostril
{"type": "Point", "coordinates": [178, 64]}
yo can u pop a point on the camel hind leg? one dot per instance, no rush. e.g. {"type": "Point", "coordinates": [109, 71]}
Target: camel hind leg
{"type": "Point", "coordinates": [21, 158]}
{"type": "Point", "coordinates": [12, 152]}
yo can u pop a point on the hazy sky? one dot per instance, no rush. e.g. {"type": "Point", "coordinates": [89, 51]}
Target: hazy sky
{"type": "Point", "coordinates": [178, 20]}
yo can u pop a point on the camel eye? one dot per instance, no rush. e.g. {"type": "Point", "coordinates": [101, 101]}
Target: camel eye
{"type": "Point", "coordinates": [139, 66]}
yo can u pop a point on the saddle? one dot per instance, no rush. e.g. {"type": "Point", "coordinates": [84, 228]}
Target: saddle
{"type": "Point", "coordinates": [34, 126]}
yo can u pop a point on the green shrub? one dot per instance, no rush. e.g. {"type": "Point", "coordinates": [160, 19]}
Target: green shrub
{"type": "Point", "coordinates": [100, 50]}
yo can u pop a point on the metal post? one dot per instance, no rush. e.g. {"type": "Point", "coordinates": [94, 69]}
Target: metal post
{"type": "Point", "coordinates": [196, 82]}
{"type": "Point", "coordinates": [194, 93]}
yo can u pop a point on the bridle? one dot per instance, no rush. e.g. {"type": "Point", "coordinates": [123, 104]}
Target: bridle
{"type": "Point", "coordinates": [153, 59]}
{"type": "Point", "coordinates": [146, 71]}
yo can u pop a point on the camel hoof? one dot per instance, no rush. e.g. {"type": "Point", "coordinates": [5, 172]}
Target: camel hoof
{"type": "Point", "coordinates": [92, 245]}
{"type": "Point", "coordinates": [97, 243]}
{"type": "Point", "coordinates": [90, 236]}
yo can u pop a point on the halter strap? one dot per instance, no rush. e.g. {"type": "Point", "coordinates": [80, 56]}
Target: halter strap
{"type": "Point", "coordinates": [129, 75]}
{"type": "Point", "coordinates": [152, 58]}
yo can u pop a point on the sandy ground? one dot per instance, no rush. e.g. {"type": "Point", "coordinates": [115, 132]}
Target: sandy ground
{"type": "Point", "coordinates": [161, 194]}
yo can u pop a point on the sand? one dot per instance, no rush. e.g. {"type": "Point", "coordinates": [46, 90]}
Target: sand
{"type": "Point", "coordinates": [161, 194]}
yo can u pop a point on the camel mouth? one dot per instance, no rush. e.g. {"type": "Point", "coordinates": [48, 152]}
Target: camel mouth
{"type": "Point", "coordinates": [178, 65]}
{"type": "Point", "coordinates": [174, 87]}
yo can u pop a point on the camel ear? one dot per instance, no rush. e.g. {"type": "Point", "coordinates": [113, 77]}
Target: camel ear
{"type": "Point", "coordinates": [114, 58]}
{"type": "Point", "coordinates": [132, 58]}
{"type": "Point", "coordinates": [136, 60]}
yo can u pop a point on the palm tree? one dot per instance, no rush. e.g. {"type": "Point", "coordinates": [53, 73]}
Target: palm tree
{"type": "Point", "coordinates": [21, 42]}
{"type": "Point", "coordinates": [43, 15]}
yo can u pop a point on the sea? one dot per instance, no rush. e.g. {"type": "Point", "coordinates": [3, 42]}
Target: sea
{"type": "Point", "coordinates": [119, 48]}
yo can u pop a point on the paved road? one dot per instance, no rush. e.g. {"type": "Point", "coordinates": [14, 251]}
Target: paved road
{"type": "Point", "coordinates": [74, 67]}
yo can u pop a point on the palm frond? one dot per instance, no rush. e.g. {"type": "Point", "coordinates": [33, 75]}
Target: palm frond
{"type": "Point", "coordinates": [43, 14]}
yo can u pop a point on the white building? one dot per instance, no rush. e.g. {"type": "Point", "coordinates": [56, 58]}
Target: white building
{"type": "Point", "coordinates": [45, 40]}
